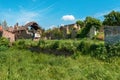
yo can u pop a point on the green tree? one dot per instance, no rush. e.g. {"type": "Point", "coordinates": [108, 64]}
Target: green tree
{"type": "Point", "coordinates": [112, 19]}
{"type": "Point", "coordinates": [80, 23]}
{"type": "Point", "coordinates": [89, 22]}
{"type": "Point", "coordinates": [57, 34]}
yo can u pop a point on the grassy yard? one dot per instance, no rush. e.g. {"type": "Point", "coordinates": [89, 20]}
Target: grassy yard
{"type": "Point", "coordinates": [19, 64]}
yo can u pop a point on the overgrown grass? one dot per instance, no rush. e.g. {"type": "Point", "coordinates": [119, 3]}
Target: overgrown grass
{"type": "Point", "coordinates": [89, 60]}
{"type": "Point", "coordinates": [94, 48]}
{"type": "Point", "coordinates": [20, 64]}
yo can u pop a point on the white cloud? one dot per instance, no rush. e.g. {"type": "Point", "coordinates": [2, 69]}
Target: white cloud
{"type": "Point", "coordinates": [68, 18]}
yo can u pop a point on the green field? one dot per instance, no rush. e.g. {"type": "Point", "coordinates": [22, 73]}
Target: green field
{"type": "Point", "coordinates": [16, 64]}
{"type": "Point", "coordinates": [31, 60]}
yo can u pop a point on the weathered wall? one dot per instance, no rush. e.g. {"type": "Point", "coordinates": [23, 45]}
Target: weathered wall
{"type": "Point", "coordinates": [71, 28]}
{"type": "Point", "coordinates": [112, 34]}
{"type": "Point", "coordinates": [22, 34]}
{"type": "Point", "coordinates": [92, 32]}
{"type": "Point", "coordinates": [8, 35]}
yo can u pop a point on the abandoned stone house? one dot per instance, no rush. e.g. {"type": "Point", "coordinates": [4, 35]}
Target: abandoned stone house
{"type": "Point", "coordinates": [70, 28]}
{"type": "Point", "coordinates": [30, 31]}
{"type": "Point", "coordinates": [66, 30]}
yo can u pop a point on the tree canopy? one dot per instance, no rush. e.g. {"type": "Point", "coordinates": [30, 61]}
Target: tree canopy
{"type": "Point", "coordinates": [80, 23]}
{"type": "Point", "coordinates": [112, 19]}
{"type": "Point", "coordinates": [89, 22]}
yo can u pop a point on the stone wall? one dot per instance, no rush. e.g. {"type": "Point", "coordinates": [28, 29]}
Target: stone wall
{"type": "Point", "coordinates": [70, 29]}
{"type": "Point", "coordinates": [112, 34]}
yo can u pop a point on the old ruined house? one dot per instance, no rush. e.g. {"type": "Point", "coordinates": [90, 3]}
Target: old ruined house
{"type": "Point", "coordinates": [30, 31]}
{"type": "Point", "coordinates": [65, 31]}
{"type": "Point", "coordinates": [7, 34]}
{"type": "Point", "coordinates": [70, 29]}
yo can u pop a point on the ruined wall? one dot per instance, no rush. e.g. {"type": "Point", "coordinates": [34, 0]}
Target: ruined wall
{"type": "Point", "coordinates": [92, 32]}
{"type": "Point", "coordinates": [8, 35]}
{"type": "Point", "coordinates": [112, 34]}
{"type": "Point", "coordinates": [71, 29]}
{"type": "Point", "coordinates": [73, 33]}
{"type": "Point", "coordinates": [22, 34]}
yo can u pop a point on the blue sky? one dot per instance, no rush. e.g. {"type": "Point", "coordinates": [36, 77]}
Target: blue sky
{"type": "Point", "coordinates": [49, 13]}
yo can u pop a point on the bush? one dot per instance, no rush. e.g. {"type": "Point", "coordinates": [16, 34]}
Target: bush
{"type": "Point", "coordinates": [20, 44]}
{"type": "Point", "coordinates": [100, 53]}
{"type": "Point", "coordinates": [55, 45]}
{"type": "Point", "coordinates": [3, 48]}
{"type": "Point", "coordinates": [4, 44]}
{"type": "Point", "coordinates": [84, 47]}
{"type": "Point", "coordinates": [4, 41]}
{"type": "Point", "coordinates": [3, 58]}
{"type": "Point", "coordinates": [94, 47]}
{"type": "Point", "coordinates": [113, 50]}
{"type": "Point", "coordinates": [41, 44]}
{"type": "Point", "coordinates": [67, 47]}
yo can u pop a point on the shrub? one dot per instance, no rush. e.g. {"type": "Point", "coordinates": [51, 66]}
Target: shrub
{"type": "Point", "coordinates": [55, 45]}
{"type": "Point", "coordinates": [67, 47]}
{"type": "Point", "coordinates": [4, 44]}
{"type": "Point", "coordinates": [113, 50]}
{"type": "Point", "coordinates": [4, 41]}
{"type": "Point", "coordinates": [84, 47]}
{"type": "Point", "coordinates": [100, 53]}
{"type": "Point", "coordinates": [94, 47]}
{"type": "Point", "coordinates": [20, 44]}
{"type": "Point", "coordinates": [3, 58]}
{"type": "Point", "coordinates": [41, 44]}
{"type": "Point", "coordinates": [3, 48]}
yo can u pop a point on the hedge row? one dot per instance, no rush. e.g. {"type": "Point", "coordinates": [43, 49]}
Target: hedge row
{"type": "Point", "coordinates": [85, 47]}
